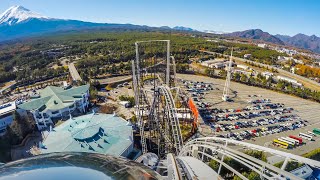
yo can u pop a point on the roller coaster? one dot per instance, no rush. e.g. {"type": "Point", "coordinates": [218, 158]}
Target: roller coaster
{"type": "Point", "coordinates": [155, 109]}
{"type": "Point", "coordinates": [164, 154]}
{"type": "Point", "coordinates": [154, 82]}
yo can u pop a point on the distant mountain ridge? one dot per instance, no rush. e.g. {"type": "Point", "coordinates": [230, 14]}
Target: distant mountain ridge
{"type": "Point", "coordinates": [256, 34]}
{"type": "Point", "coordinates": [182, 28]}
{"type": "Point", "coordinates": [299, 41]}
{"type": "Point", "coordinates": [302, 41]}
{"type": "Point", "coordinates": [17, 22]}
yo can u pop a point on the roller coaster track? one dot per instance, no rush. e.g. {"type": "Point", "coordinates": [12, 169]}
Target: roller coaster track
{"type": "Point", "coordinates": [163, 114]}
{"type": "Point", "coordinates": [163, 124]}
{"type": "Point", "coordinates": [143, 139]}
{"type": "Point", "coordinates": [182, 161]}
{"type": "Point", "coordinates": [214, 148]}
{"type": "Point", "coordinates": [172, 117]}
{"type": "Point", "coordinates": [141, 100]}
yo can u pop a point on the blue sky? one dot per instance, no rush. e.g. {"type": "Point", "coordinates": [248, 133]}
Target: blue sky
{"type": "Point", "coordinates": [287, 17]}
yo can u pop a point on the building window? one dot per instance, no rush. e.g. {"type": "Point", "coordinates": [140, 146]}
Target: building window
{"type": "Point", "coordinates": [45, 115]}
{"type": "Point", "coordinates": [78, 103]}
{"type": "Point", "coordinates": [54, 112]}
{"type": "Point", "coordinates": [42, 108]}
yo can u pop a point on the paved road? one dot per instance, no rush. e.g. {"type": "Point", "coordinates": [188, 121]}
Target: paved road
{"type": "Point", "coordinates": [112, 80]}
{"type": "Point", "coordinates": [305, 81]}
{"type": "Point", "coordinates": [74, 73]}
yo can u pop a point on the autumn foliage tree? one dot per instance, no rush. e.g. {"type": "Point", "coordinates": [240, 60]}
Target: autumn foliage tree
{"type": "Point", "coordinates": [307, 71]}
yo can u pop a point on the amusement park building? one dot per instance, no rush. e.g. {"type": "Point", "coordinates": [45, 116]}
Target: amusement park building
{"type": "Point", "coordinates": [56, 103]}
{"type": "Point", "coordinates": [93, 133]}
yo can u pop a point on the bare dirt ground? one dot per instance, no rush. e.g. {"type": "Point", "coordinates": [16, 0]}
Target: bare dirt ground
{"type": "Point", "coordinates": [21, 152]}
{"type": "Point", "coordinates": [114, 100]}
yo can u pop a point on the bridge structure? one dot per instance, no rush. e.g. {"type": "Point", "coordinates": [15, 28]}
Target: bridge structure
{"type": "Point", "coordinates": [160, 132]}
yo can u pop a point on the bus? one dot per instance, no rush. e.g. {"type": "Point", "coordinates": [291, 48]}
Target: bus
{"type": "Point", "coordinates": [291, 144]}
{"type": "Point", "coordinates": [296, 142]}
{"type": "Point", "coordinates": [280, 144]}
{"type": "Point", "coordinates": [299, 139]}
{"type": "Point", "coordinates": [305, 136]}
{"type": "Point", "coordinates": [316, 131]}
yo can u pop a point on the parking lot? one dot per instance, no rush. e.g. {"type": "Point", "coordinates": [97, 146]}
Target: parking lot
{"type": "Point", "coordinates": [255, 115]}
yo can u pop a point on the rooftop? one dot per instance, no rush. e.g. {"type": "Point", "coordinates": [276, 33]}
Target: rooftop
{"type": "Point", "coordinates": [55, 98]}
{"type": "Point", "coordinates": [302, 172]}
{"type": "Point", "coordinates": [7, 108]}
{"type": "Point", "coordinates": [95, 133]}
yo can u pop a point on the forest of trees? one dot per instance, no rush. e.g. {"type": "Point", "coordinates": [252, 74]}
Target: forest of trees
{"type": "Point", "coordinates": [258, 54]}
{"type": "Point", "coordinates": [103, 53]}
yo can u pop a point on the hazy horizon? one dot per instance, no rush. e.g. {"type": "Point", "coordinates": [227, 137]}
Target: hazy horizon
{"type": "Point", "coordinates": [276, 17]}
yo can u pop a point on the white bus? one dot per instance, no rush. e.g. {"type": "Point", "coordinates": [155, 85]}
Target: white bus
{"type": "Point", "coordinates": [305, 136]}
{"type": "Point", "coordinates": [288, 142]}
{"type": "Point", "coordinates": [296, 142]}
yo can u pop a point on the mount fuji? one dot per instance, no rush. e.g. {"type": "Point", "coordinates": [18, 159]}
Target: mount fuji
{"type": "Point", "coordinates": [18, 14]}
{"type": "Point", "coordinates": [20, 22]}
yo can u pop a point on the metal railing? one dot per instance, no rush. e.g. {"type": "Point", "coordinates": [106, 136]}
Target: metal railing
{"type": "Point", "coordinates": [214, 148]}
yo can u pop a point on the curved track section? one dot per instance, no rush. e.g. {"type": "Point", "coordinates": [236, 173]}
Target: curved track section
{"type": "Point", "coordinates": [213, 148]}
{"type": "Point", "coordinates": [173, 121]}
{"type": "Point", "coordinates": [163, 116]}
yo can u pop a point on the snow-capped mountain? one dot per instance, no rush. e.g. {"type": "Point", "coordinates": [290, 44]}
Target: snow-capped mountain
{"type": "Point", "coordinates": [182, 28]}
{"type": "Point", "coordinates": [18, 14]}
{"type": "Point", "coordinates": [19, 22]}
{"type": "Point", "coordinates": [214, 32]}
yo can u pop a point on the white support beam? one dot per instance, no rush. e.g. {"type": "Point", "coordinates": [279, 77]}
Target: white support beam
{"type": "Point", "coordinates": [264, 169]}
{"type": "Point", "coordinates": [168, 64]}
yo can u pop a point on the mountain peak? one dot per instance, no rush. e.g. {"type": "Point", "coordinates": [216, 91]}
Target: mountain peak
{"type": "Point", "coordinates": [17, 14]}
{"type": "Point", "coordinates": [182, 28]}
{"type": "Point", "coordinates": [257, 30]}
{"type": "Point", "coordinates": [19, 8]}
{"type": "Point", "coordinates": [256, 34]}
